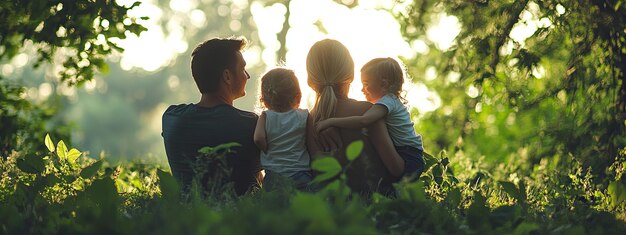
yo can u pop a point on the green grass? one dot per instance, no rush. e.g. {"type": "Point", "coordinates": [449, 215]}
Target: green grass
{"type": "Point", "coordinates": [71, 194]}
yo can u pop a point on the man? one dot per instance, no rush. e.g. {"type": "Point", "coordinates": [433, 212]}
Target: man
{"type": "Point", "coordinates": [218, 69]}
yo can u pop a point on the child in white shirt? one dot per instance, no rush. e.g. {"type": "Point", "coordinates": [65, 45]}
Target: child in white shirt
{"type": "Point", "coordinates": [281, 130]}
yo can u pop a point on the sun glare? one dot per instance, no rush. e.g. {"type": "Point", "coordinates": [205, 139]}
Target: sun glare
{"type": "Point", "coordinates": [153, 49]}
{"type": "Point", "coordinates": [367, 31]}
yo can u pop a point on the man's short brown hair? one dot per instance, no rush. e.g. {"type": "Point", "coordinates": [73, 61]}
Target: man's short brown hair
{"type": "Point", "coordinates": [211, 58]}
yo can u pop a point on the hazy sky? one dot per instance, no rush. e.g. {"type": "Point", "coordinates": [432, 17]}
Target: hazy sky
{"type": "Point", "coordinates": [366, 31]}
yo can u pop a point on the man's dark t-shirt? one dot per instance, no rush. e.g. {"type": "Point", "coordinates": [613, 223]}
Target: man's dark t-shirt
{"type": "Point", "coordinates": [189, 127]}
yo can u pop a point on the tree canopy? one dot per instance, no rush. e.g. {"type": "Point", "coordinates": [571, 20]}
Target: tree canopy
{"type": "Point", "coordinates": [83, 32]}
{"type": "Point", "coordinates": [559, 91]}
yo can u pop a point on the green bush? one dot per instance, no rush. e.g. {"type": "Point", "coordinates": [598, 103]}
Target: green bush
{"type": "Point", "coordinates": [66, 192]}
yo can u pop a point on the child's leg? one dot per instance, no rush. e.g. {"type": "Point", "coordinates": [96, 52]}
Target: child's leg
{"type": "Point", "coordinates": [267, 181]}
{"type": "Point", "coordinates": [274, 181]}
{"type": "Point", "coordinates": [413, 161]}
{"type": "Point", "coordinates": [302, 180]}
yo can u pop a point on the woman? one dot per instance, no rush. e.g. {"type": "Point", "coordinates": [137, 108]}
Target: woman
{"type": "Point", "coordinates": [330, 70]}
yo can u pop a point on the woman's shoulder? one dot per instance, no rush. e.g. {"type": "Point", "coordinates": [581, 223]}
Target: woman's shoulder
{"type": "Point", "coordinates": [350, 107]}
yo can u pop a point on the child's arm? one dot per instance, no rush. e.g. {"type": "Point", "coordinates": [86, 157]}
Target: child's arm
{"type": "Point", "coordinates": [372, 115]}
{"type": "Point", "coordinates": [259, 134]}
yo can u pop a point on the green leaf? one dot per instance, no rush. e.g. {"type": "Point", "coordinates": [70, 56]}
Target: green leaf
{"type": "Point", "coordinates": [617, 191]}
{"type": "Point", "coordinates": [430, 160]}
{"type": "Point", "coordinates": [49, 143]}
{"type": "Point", "coordinates": [135, 4]}
{"type": "Point", "coordinates": [522, 191]}
{"type": "Point", "coordinates": [316, 211]}
{"type": "Point", "coordinates": [526, 228]}
{"type": "Point", "coordinates": [569, 229]}
{"type": "Point", "coordinates": [168, 185]}
{"type": "Point", "coordinates": [354, 150]}
{"type": "Point", "coordinates": [453, 198]}
{"type": "Point", "coordinates": [103, 193]}
{"type": "Point", "coordinates": [329, 167]}
{"type": "Point", "coordinates": [413, 192]}
{"type": "Point", "coordinates": [226, 148]}
{"type": "Point", "coordinates": [505, 214]}
{"type": "Point", "coordinates": [478, 177]}
{"type": "Point", "coordinates": [104, 68]}
{"type": "Point", "coordinates": [69, 178]}
{"type": "Point", "coordinates": [445, 161]}
{"type": "Point", "coordinates": [511, 190]}
{"type": "Point", "coordinates": [438, 174]}
{"type": "Point", "coordinates": [91, 170]}
{"type": "Point", "coordinates": [73, 154]}
{"type": "Point", "coordinates": [51, 179]}
{"type": "Point", "coordinates": [31, 163]}
{"type": "Point", "coordinates": [333, 186]}
{"type": "Point", "coordinates": [478, 212]}
{"type": "Point", "coordinates": [61, 150]}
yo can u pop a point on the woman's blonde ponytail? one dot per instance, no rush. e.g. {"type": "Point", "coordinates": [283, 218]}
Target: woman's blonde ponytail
{"type": "Point", "coordinates": [325, 106]}
{"type": "Point", "coordinates": [329, 67]}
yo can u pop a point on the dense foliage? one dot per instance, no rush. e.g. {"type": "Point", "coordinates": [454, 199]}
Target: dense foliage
{"type": "Point", "coordinates": [84, 31]}
{"type": "Point", "coordinates": [81, 32]}
{"type": "Point", "coordinates": [558, 92]}
{"type": "Point", "coordinates": [66, 192]}
{"type": "Point", "coordinates": [529, 138]}
{"type": "Point", "coordinates": [126, 101]}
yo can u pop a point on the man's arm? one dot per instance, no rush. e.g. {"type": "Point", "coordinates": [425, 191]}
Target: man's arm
{"type": "Point", "coordinates": [375, 113]}
{"type": "Point", "coordinates": [260, 138]}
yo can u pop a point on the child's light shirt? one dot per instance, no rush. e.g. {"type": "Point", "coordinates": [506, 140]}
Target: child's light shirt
{"type": "Point", "coordinates": [399, 124]}
{"type": "Point", "coordinates": [286, 146]}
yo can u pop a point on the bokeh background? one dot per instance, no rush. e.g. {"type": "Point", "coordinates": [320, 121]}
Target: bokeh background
{"type": "Point", "coordinates": [501, 82]}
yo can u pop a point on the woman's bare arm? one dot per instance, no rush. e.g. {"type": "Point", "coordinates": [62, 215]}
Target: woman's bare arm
{"type": "Point", "coordinates": [311, 141]}
{"type": "Point", "coordinates": [384, 146]}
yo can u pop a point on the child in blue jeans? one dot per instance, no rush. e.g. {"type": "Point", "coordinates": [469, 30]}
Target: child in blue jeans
{"type": "Point", "coordinates": [280, 131]}
{"type": "Point", "coordinates": [382, 80]}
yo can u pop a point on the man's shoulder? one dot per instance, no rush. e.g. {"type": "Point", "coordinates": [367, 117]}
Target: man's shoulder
{"type": "Point", "coordinates": [246, 114]}
{"type": "Point", "coordinates": [176, 108]}
{"type": "Point", "coordinates": [233, 116]}
{"type": "Point", "coordinates": [222, 109]}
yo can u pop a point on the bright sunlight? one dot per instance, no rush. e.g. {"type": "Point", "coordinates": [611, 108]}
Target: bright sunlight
{"type": "Point", "coordinates": [367, 30]}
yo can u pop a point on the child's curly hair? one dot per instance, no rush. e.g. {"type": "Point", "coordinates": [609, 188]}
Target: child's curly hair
{"type": "Point", "coordinates": [389, 70]}
{"type": "Point", "coordinates": [280, 89]}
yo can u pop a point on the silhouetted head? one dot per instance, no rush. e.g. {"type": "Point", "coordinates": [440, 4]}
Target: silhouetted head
{"type": "Point", "coordinates": [280, 90]}
{"type": "Point", "coordinates": [216, 59]}
{"type": "Point", "coordinates": [330, 70]}
{"type": "Point", "coordinates": [382, 76]}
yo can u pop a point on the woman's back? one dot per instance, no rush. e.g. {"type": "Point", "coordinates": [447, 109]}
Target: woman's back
{"type": "Point", "coordinates": [367, 173]}
{"type": "Point", "coordinates": [330, 71]}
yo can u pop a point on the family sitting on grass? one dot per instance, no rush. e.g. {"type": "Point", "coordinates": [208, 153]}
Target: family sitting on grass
{"type": "Point", "coordinates": [284, 139]}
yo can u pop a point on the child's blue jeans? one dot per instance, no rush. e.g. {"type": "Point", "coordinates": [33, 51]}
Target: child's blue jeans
{"type": "Point", "coordinates": [414, 163]}
{"type": "Point", "coordinates": [301, 180]}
